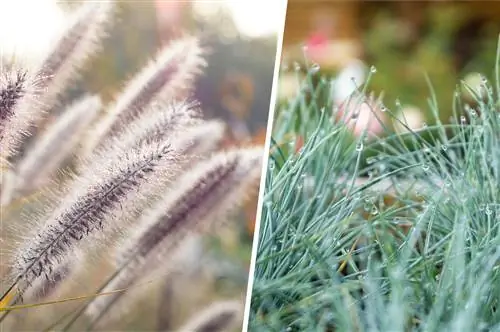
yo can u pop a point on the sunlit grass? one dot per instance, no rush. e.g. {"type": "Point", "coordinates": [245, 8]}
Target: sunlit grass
{"type": "Point", "coordinates": [399, 233]}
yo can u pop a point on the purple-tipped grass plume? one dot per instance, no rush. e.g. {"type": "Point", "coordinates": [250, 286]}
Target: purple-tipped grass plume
{"type": "Point", "coordinates": [204, 138]}
{"type": "Point", "coordinates": [104, 194]}
{"type": "Point", "coordinates": [199, 140]}
{"type": "Point", "coordinates": [12, 88]}
{"type": "Point", "coordinates": [80, 40]}
{"type": "Point", "coordinates": [203, 198]}
{"type": "Point", "coordinates": [157, 123]}
{"type": "Point", "coordinates": [54, 73]}
{"type": "Point", "coordinates": [55, 144]}
{"type": "Point", "coordinates": [15, 86]}
{"type": "Point", "coordinates": [45, 287]}
{"type": "Point", "coordinates": [217, 317]}
{"type": "Point", "coordinates": [164, 79]}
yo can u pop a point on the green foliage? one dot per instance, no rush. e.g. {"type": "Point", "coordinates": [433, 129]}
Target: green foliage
{"type": "Point", "coordinates": [414, 245]}
{"type": "Point", "coordinates": [392, 48]}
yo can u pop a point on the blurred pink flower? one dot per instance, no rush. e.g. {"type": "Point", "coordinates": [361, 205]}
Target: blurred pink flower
{"type": "Point", "coordinates": [410, 119]}
{"type": "Point", "coordinates": [359, 116]}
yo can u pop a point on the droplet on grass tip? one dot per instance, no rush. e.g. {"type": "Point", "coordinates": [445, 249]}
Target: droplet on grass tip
{"type": "Point", "coordinates": [314, 68]}
{"type": "Point", "coordinates": [359, 146]}
{"type": "Point", "coordinates": [373, 69]}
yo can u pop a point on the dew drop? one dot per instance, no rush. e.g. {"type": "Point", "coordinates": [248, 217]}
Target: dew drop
{"type": "Point", "coordinates": [398, 103]}
{"type": "Point", "coordinates": [383, 108]}
{"type": "Point", "coordinates": [444, 147]}
{"type": "Point", "coordinates": [359, 146]}
{"type": "Point", "coordinates": [463, 120]}
{"type": "Point", "coordinates": [314, 68]}
{"type": "Point", "coordinates": [374, 210]}
{"type": "Point", "coordinates": [373, 69]}
{"type": "Point", "coordinates": [424, 125]}
{"type": "Point", "coordinates": [367, 207]}
{"type": "Point", "coordinates": [425, 167]}
{"type": "Point", "coordinates": [488, 210]}
{"type": "Point", "coordinates": [296, 66]}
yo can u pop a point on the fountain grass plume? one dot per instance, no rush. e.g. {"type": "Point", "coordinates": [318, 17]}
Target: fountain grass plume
{"type": "Point", "coordinates": [79, 40]}
{"type": "Point", "coordinates": [43, 288]}
{"type": "Point", "coordinates": [12, 88]}
{"type": "Point", "coordinates": [200, 202]}
{"type": "Point", "coordinates": [59, 139]}
{"type": "Point", "coordinates": [217, 317]}
{"type": "Point", "coordinates": [165, 79]}
{"type": "Point", "coordinates": [16, 86]}
{"type": "Point", "coordinates": [105, 194]}
{"type": "Point", "coordinates": [77, 43]}
{"type": "Point", "coordinates": [157, 123]}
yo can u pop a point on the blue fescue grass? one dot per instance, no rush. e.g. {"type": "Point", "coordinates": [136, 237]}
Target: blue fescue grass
{"type": "Point", "coordinates": [400, 233]}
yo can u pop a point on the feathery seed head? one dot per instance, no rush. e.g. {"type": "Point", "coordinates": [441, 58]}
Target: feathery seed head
{"type": "Point", "coordinates": [79, 40]}
{"type": "Point", "coordinates": [14, 86]}
{"type": "Point", "coordinates": [105, 194]}
{"type": "Point", "coordinates": [203, 138]}
{"type": "Point", "coordinates": [157, 123]}
{"type": "Point", "coordinates": [55, 71]}
{"type": "Point", "coordinates": [45, 287]}
{"type": "Point", "coordinates": [56, 143]}
{"type": "Point", "coordinates": [204, 197]}
{"type": "Point", "coordinates": [205, 194]}
{"type": "Point", "coordinates": [163, 80]}
{"type": "Point", "coordinates": [219, 316]}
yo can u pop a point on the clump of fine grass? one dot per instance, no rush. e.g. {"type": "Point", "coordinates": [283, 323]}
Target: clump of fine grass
{"type": "Point", "coordinates": [138, 181]}
{"type": "Point", "coordinates": [399, 233]}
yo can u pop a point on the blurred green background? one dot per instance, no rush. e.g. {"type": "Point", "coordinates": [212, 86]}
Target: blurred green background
{"type": "Point", "coordinates": [404, 40]}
